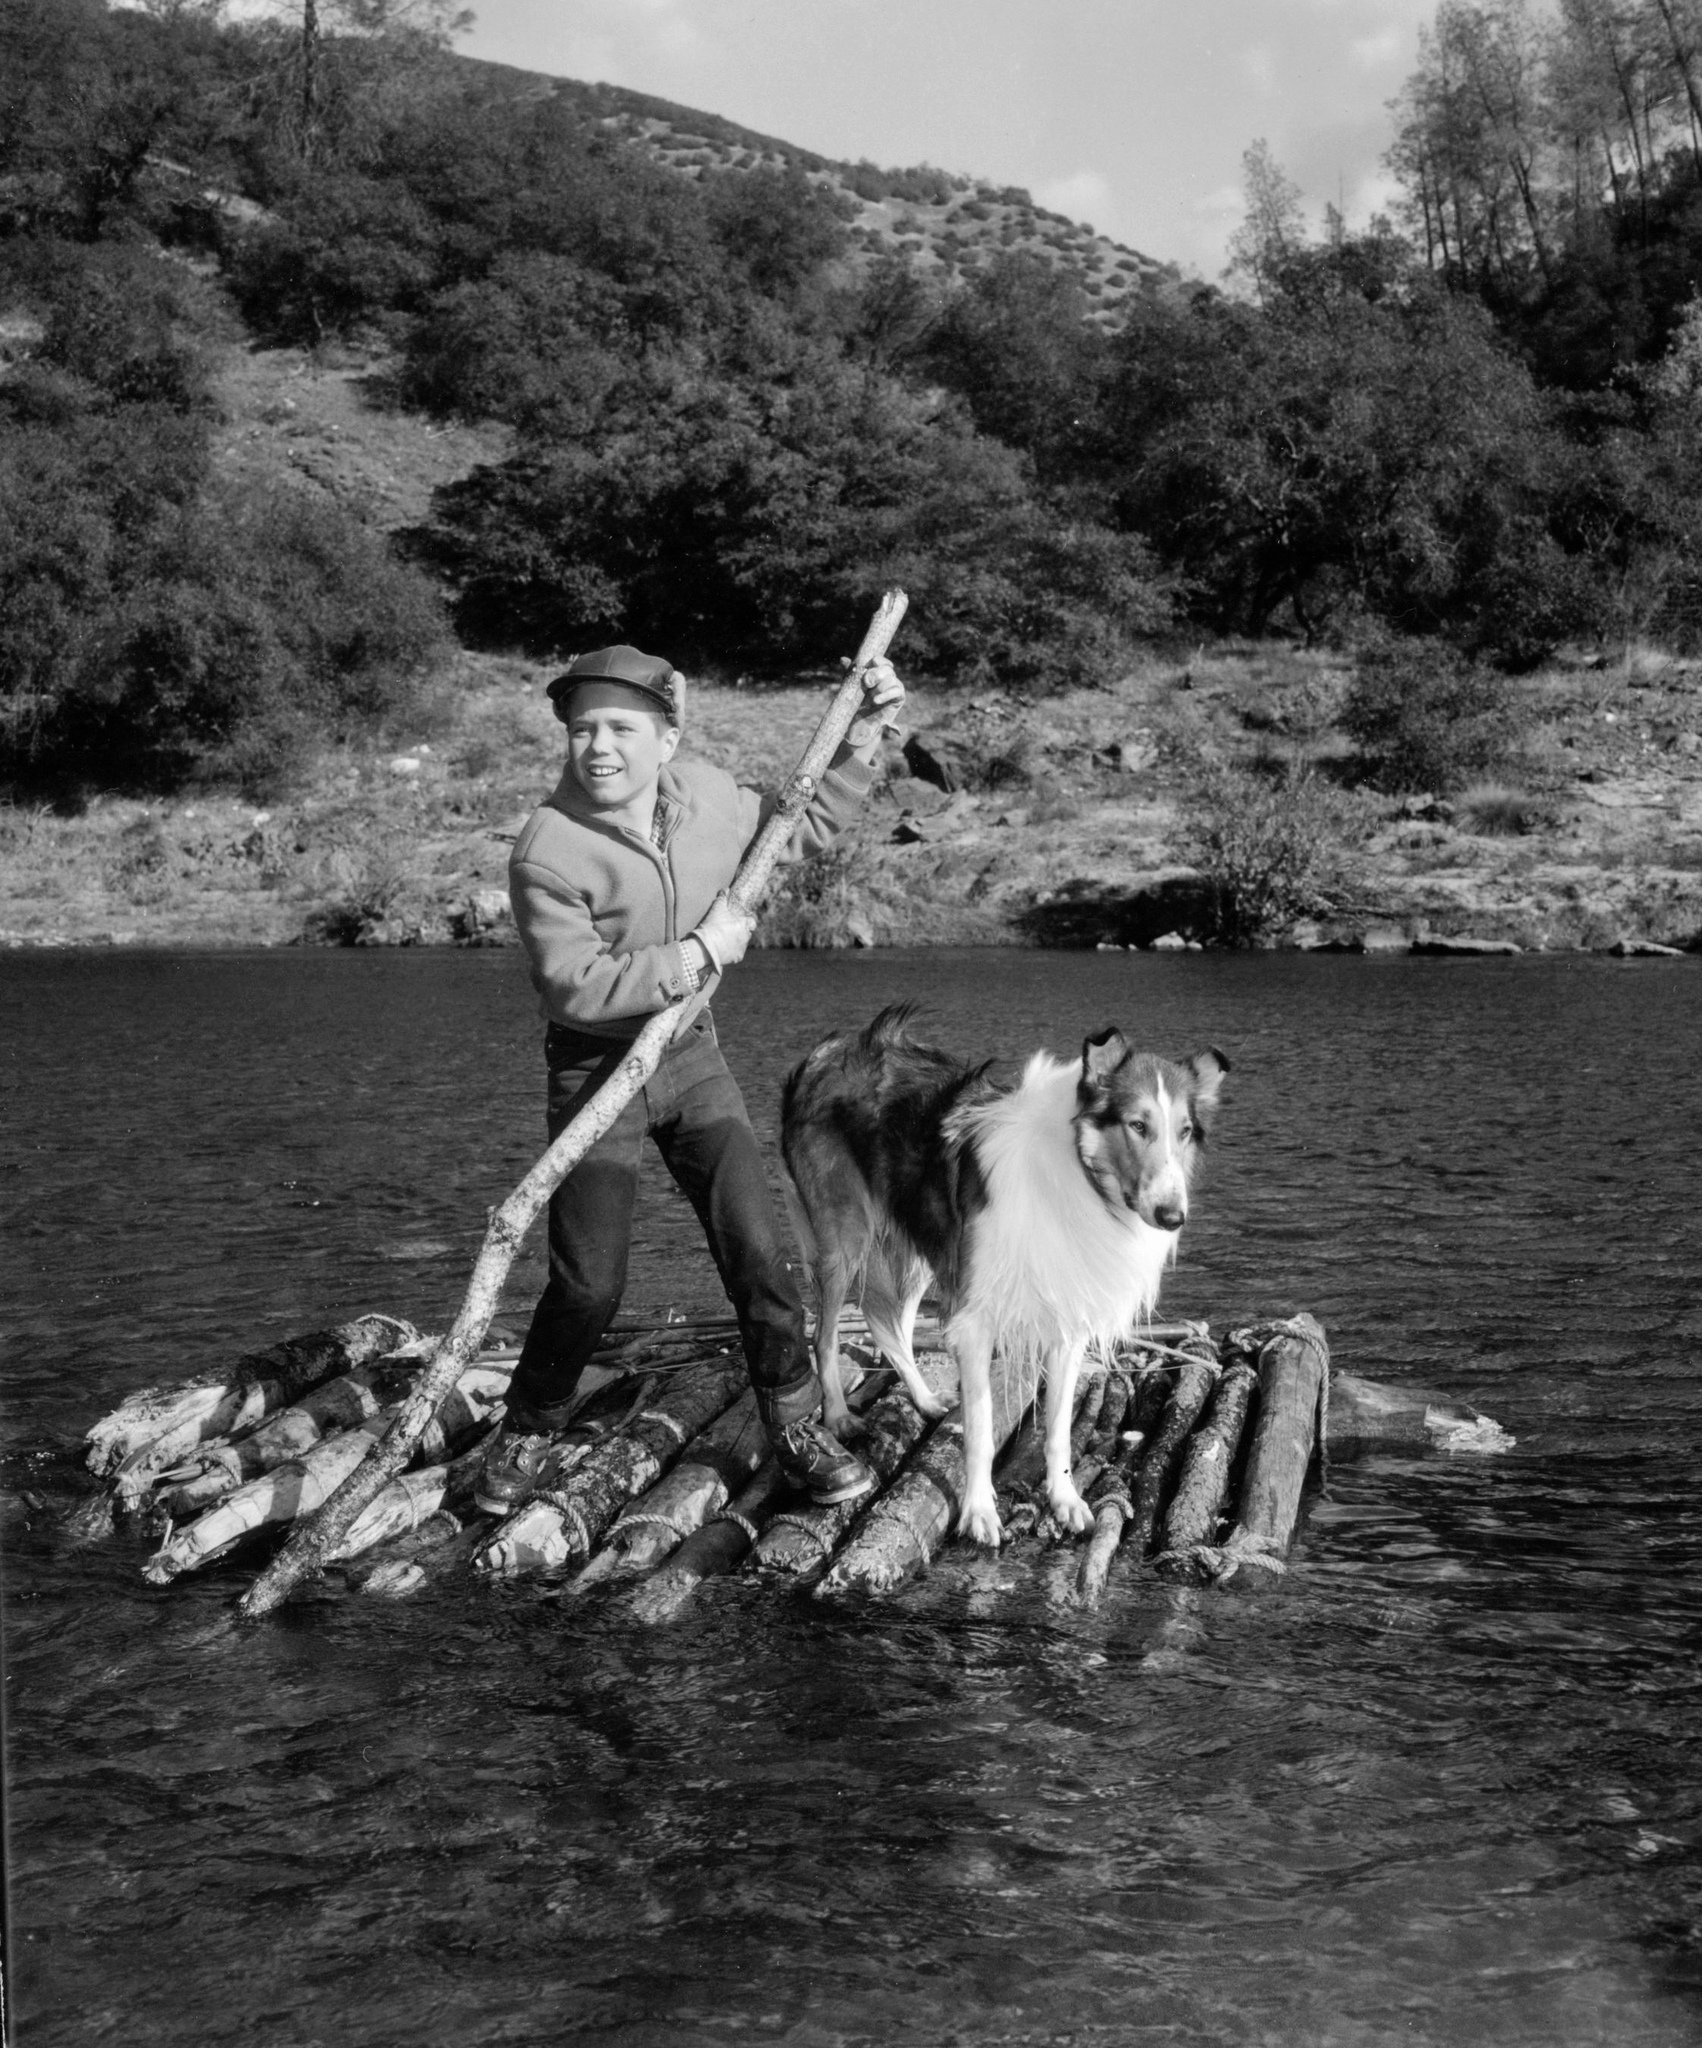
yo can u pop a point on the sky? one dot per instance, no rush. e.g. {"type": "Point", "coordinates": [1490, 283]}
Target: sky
{"type": "Point", "coordinates": [1130, 115]}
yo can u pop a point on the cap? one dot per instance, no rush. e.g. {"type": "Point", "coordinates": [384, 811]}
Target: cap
{"type": "Point", "coordinates": [649, 674]}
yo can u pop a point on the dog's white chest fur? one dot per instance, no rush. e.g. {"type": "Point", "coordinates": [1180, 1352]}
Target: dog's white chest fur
{"type": "Point", "coordinates": [1050, 1265]}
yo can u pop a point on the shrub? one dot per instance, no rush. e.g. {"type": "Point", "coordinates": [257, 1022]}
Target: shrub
{"type": "Point", "coordinates": [1426, 718]}
{"type": "Point", "coordinates": [1271, 853]}
{"type": "Point", "coordinates": [757, 521]}
{"type": "Point", "coordinates": [1492, 810]}
{"type": "Point", "coordinates": [214, 638]}
{"type": "Point", "coordinates": [345, 250]}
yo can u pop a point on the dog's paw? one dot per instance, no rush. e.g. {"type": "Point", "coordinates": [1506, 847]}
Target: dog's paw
{"type": "Point", "coordinates": [1069, 1510]}
{"type": "Point", "coordinates": [931, 1406]}
{"type": "Point", "coordinates": [979, 1519]}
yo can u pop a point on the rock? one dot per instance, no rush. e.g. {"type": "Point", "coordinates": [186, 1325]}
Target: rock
{"type": "Point", "coordinates": [1430, 943]}
{"type": "Point", "coordinates": [405, 764]}
{"type": "Point", "coordinates": [940, 758]}
{"type": "Point", "coordinates": [911, 793]}
{"type": "Point", "coordinates": [1169, 942]}
{"type": "Point", "coordinates": [486, 912]}
{"type": "Point", "coordinates": [911, 830]}
{"type": "Point", "coordinates": [1687, 743]}
{"type": "Point", "coordinates": [1139, 750]}
{"type": "Point", "coordinates": [1642, 949]}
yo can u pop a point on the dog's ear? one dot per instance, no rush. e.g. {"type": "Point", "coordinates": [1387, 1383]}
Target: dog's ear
{"type": "Point", "coordinates": [1206, 1071]}
{"type": "Point", "coordinates": [1102, 1055]}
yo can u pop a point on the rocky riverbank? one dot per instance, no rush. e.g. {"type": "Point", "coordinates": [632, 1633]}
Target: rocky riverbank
{"type": "Point", "coordinates": [1097, 818]}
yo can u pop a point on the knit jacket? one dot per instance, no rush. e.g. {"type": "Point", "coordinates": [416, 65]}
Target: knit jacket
{"type": "Point", "coordinates": [601, 909]}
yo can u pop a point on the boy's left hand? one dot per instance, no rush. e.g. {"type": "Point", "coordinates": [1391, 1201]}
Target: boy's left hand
{"type": "Point", "coordinates": [882, 691]}
{"type": "Point", "coordinates": [883, 695]}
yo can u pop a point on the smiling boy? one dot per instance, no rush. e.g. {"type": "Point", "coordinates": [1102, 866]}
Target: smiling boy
{"type": "Point", "coordinates": [618, 883]}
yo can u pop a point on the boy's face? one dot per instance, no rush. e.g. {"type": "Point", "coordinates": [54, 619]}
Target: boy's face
{"type": "Point", "coordinates": [617, 741]}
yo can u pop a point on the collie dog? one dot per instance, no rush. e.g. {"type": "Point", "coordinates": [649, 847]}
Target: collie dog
{"type": "Point", "coordinates": [1044, 1214]}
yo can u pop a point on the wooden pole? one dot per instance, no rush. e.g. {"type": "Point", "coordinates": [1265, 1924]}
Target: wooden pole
{"type": "Point", "coordinates": [311, 1544]}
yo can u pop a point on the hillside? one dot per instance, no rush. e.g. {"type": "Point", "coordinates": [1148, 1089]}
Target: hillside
{"type": "Point", "coordinates": [949, 226]}
{"type": "Point", "coordinates": [1079, 823]}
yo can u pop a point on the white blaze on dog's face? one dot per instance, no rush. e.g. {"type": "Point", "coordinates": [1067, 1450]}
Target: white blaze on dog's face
{"type": "Point", "coordinates": [1140, 1124]}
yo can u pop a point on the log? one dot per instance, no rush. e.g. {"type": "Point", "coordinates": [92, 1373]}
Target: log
{"type": "Point", "coordinates": [1161, 1456]}
{"type": "Point", "coordinates": [906, 1525]}
{"type": "Point", "coordinates": [1294, 1371]}
{"type": "Point", "coordinates": [1364, 1412]}
{"type": "Point", "coordinates": [1021, 1476]}
{"type": "Point", "coordinates": [440, 1543]}
{"type": "Point", "coordinates": [562, 1522]}
{"type": "Point", "coordinates": [1104, 1442]}
{"type": "Point", "coordinates": [151, 1431]}
{"type": "Point", "coordinates": [300, 1485]}
{"type": "Point", "coordinates": [711, 1551]}
{"type": "Point", "coordinates": [219, 1468]}
{"type": "Point", "coordinates": [289, 1490]}
{"type": "Point", "coordinates": [803, 1540]}
{"type": "Point", "coordinates": [410, 1501]}
{"type": "Point", "coordinates": [1131, 1488]}
{"type": "Point", "coordinates": [309, 1546]}
{"type": "Point", "coordinates": [711, 1469]}
{"type": "Point", "coordinates": [1202, 1488]}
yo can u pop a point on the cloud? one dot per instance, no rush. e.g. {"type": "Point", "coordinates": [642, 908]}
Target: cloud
{"type": "Point", "coordinates": [1084, 196]}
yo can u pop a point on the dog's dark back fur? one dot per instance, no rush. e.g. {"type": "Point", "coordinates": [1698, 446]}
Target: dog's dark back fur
{"type": "Point", "coordinates": [883, 1099]}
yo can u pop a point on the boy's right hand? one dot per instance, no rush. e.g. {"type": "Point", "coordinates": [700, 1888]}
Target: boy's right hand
{"type": "Point", "coordinates": [726, 931]}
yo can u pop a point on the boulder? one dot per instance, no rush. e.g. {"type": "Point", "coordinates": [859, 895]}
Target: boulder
{"type": "Point", "coordinates": [948, 762]}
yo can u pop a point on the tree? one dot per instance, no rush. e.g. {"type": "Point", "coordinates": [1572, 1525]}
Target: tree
{"type": "Point", "coordinates": [1273, 229]}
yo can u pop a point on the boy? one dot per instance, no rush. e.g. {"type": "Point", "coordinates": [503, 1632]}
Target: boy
{"type": "Point", "coordinates": [619, 887]}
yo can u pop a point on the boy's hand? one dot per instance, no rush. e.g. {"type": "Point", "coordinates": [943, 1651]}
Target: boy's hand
{"type": "Point", "coordinates": [725, 931]}
{"type": "Point", "coordinates": [882, 691]}
{"type": "Point", "coordinates": [883, 695]}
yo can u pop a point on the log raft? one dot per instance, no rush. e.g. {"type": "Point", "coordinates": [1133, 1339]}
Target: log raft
{"type": "Point", "coordinates": [1194, 1455]}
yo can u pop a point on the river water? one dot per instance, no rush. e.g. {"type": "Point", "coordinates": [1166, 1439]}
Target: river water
{"type": "Point", "coordinates": [1442, 1785]}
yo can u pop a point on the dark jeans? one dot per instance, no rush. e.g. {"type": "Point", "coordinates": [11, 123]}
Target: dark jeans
{"type": "Point", "coordinates": [692, 1107]}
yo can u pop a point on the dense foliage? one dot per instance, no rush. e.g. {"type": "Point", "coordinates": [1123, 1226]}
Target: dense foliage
{"type": "Point", "coordinates": [1476, 427]}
